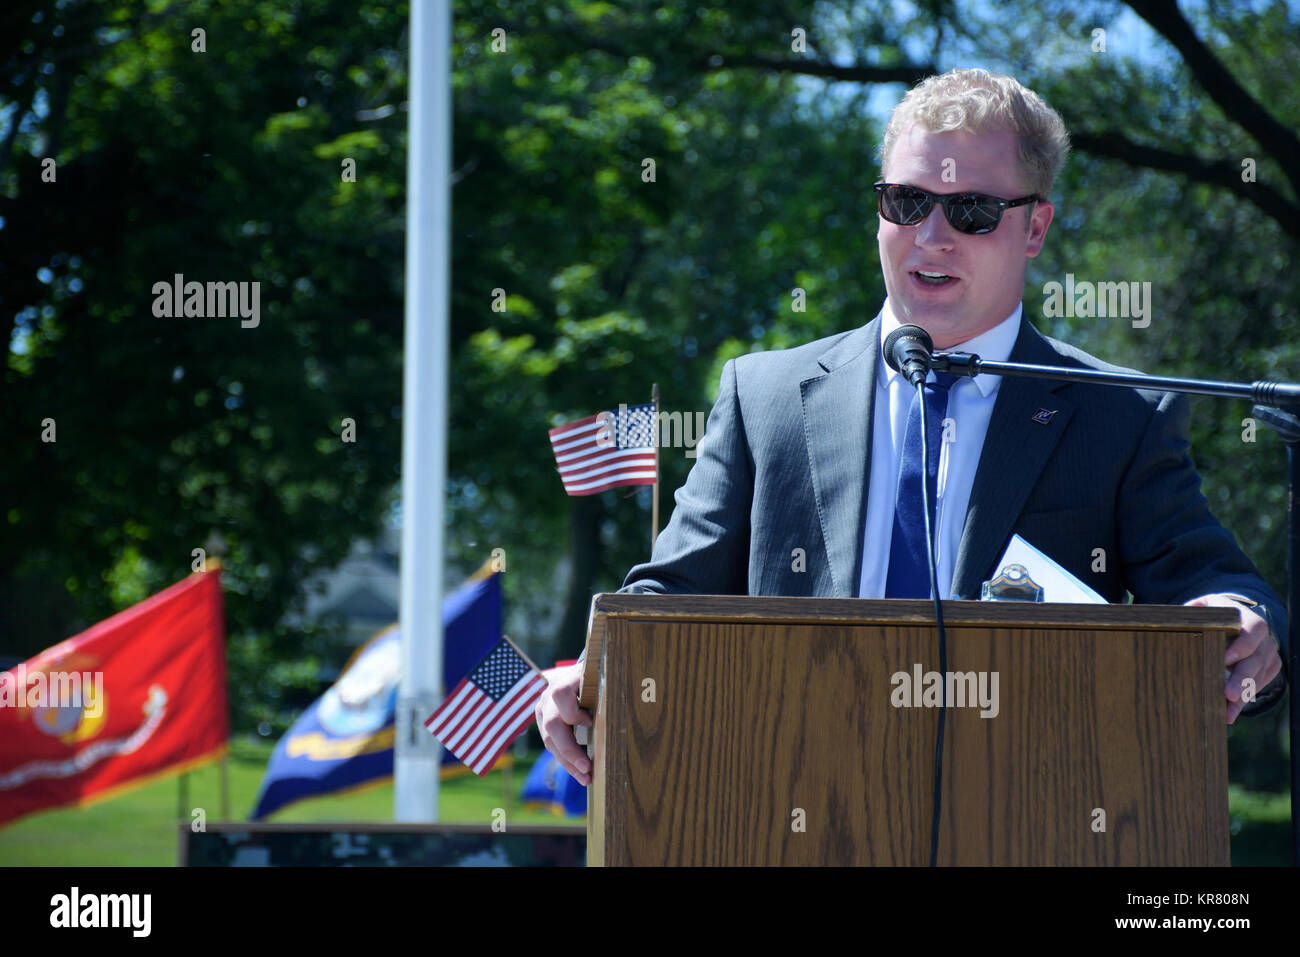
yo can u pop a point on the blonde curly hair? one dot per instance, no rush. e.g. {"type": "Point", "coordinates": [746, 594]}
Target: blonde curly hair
{"type": "Point", "coordinates": [976, 101]}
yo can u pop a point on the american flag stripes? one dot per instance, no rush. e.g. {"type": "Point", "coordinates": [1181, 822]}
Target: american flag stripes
{"type": "Point", "coordinates": [606, 450]}
{"type": "Point", "coordinates": [491, 706]}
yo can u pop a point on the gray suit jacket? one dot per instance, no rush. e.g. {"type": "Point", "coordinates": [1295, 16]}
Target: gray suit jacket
{"type": "Point", "coordinates": [786, 459]}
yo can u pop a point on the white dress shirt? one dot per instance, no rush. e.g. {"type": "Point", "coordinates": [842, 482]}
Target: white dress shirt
{"type": "Point", "coordinates": [970, 405]}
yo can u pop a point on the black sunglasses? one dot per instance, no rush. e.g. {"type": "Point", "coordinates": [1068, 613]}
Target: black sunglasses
{"type": "Point", "coordinates": [974, 213]}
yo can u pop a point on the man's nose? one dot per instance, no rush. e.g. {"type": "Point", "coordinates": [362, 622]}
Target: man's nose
{"type": "Point", "coordinates": [935, 230]}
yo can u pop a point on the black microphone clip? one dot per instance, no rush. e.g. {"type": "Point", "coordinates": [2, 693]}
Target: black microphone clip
{"type": "Point", "coordinates": [957, 364]}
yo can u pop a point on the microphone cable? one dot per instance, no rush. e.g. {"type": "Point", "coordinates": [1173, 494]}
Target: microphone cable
{"type": "Point", "coordinates": [937, 799]}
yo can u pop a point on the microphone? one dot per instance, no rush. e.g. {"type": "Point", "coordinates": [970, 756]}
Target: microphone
{"type": "Point", "coordinates": [907, 351]}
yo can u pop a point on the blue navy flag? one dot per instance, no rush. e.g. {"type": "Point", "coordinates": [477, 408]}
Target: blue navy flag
{"type": "Point", "coordinates": [550, 787]}
{"type": "Point", "coordinates": [346, 738]}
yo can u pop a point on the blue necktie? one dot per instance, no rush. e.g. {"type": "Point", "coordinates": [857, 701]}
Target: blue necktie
{"type": "Point", "coordinates": [909, 568]}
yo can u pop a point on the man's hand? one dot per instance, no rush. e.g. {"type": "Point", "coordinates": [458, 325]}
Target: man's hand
{"type": "Point", "coordinates": [557, 712]}
{"type": "Point", "coordinates": [1252, 654]}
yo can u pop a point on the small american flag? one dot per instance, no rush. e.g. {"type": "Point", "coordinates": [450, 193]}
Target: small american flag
{"type": "Point", "coordinates": [606, 450]}
{"type": "Point", "coordinates": [491, 706]}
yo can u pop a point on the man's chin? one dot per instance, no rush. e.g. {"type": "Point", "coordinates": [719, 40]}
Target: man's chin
{"type": "Point", "coordinates": [936, 321]}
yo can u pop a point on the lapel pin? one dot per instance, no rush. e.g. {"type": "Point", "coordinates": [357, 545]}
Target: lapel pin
{"type": "Point", "coordinates": [1043, 416]}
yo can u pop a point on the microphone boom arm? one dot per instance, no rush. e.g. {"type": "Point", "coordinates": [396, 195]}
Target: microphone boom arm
{"type": "Point", "coordinates": [1282, 395]}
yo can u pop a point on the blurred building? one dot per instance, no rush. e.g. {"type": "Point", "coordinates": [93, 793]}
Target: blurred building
{"type": "Point", "coordinates": [363, 593]}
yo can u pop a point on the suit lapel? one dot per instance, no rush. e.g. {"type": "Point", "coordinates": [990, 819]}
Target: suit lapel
{"type": "Point", "coordinates": [838, 412]}
{"type": "Point", "coordinates": [1016, 448]}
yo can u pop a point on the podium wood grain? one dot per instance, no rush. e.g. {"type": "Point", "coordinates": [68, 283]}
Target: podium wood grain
{"type": "Point", "coordinates": [768, 713]}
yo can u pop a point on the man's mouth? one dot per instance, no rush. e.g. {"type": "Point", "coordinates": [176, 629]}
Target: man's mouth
{"type": "Point", "coordinates": [931, 278]}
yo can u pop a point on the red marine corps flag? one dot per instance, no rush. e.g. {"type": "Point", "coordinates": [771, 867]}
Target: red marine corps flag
{"type": "Point", "coordinates": [138, 694]}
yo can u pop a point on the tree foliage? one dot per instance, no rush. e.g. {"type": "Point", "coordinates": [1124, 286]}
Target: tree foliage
{"type": "Point", "coordinates": [577, 279]}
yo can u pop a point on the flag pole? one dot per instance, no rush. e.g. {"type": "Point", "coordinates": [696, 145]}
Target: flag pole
{"type": "Point", "coordinates": [225, 788]}
{"type": "Point", "coordinates": [520, 652]}
{"type": "Point", "coordinates": [654, 493]}
{"type": "Point", "coordinates": [505, 782]}
{"type": "Point", "coordinates": [424, 409]}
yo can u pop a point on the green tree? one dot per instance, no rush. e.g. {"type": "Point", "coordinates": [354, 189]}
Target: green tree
{"type": "Point", "coordinates": [762, 121]}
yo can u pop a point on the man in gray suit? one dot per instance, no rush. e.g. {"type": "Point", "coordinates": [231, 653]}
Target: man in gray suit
{"type": "Point", "coordinates": [801, 484]}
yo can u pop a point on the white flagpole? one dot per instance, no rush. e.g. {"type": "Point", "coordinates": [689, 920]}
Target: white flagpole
{"type": "Point", "coordinates": [424, 407]}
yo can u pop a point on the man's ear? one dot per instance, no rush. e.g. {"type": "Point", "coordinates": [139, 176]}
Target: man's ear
{"type": "Point", "coordinates": [1039, 220]}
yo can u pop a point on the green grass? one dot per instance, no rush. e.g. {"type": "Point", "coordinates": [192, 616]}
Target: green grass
{"type": "Point", "coordinates": [138, 828]}
{"type": "Point", "coordinates": [1260, 826]}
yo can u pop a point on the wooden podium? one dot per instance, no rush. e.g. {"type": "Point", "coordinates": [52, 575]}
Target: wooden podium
{"type": "Point", "coordinates": [778, 731]}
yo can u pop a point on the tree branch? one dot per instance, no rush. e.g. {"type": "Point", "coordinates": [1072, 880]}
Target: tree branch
{"type": "Point", "coordinates": [571, 33]}
{"type": "Point", "coordinates": [1218, 173]}
{"type": "Point", "coordinates": [1221, 86]}
{"type": "Point", "coordinates": [909, 73]}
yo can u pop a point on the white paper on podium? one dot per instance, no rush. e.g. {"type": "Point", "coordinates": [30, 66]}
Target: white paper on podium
{"type": "Point", "coordinates": [1057, 583]}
